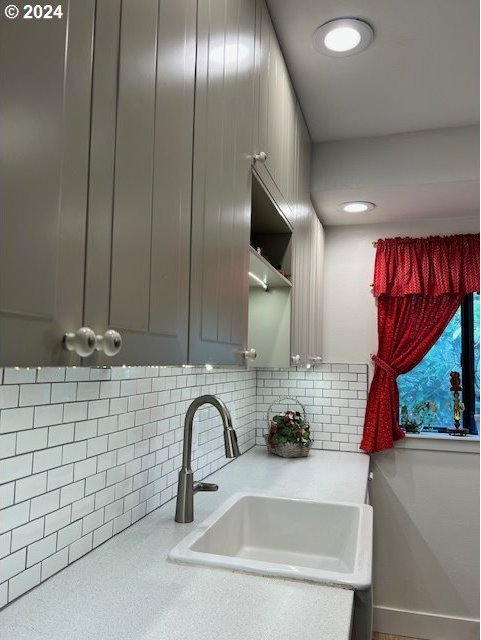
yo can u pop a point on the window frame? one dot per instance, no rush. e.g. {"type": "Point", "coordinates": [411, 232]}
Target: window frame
{"type": "Point", "coordinates": [467, 362]}
{"type": "Point", "coordinates": [467, 366]}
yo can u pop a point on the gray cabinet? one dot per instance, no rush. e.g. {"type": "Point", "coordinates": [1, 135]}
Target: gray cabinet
{"type": "Point", "coordinates": [308, 260]}
{"type": "Point", "coordinates": [44, 120]}
{"type": "Point", "coordinates": [224, 122]}
{"type": "Point", "coordinates": [316, 290]}
{"type": "Point", "coordinates": [276, 132]}
{"type": "Point", "coordinates": [138, 248]}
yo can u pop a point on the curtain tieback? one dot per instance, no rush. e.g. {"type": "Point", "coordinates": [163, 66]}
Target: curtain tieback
{"type": "Point", "coordinates": [384, 365]}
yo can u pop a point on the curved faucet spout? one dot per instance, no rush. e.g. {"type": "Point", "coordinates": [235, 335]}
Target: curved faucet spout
{"type": "Point", "coordinates": [185, 492]}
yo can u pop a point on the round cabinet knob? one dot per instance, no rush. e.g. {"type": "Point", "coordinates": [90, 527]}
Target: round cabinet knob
{"type": "Point", "coordinates": [260, 157]}
{"type": "Point", "coordinates": [296, 359]}
{"type": "Point", "coordinates": [110, 343]}
{"type": "Point", "coordinates": [83, 342]}
{"type": "Point", "coordinates": [250, 354]}
{"type": "Point", "coordinates": [316, 360]}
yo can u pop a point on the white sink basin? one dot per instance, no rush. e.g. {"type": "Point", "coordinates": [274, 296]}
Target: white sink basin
{"type": "Point", "coordinates": [329, 542]}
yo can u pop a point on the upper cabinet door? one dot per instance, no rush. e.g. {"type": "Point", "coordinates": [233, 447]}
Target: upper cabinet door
{"type": "Point", "coordinates": [44, 120]}
{"type": "Point", "coordinates": [137, 276]}
{"type": "Point", "coordinates": [302, 267]}
{"type": "Point", "coordinates": [276, 136]}
{"type": "Point", "coordinates": [225, 118]}
{"type": "Point", "coordinates": [316, 289]}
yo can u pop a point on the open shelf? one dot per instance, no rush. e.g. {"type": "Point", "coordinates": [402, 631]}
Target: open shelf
{"type": "Point", "coordinates": [263, 270]}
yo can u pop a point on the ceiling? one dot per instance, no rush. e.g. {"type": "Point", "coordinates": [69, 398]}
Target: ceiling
{"type": "Point", "coordinates": [421, 71]}
{"type": "Point", "coordinates": [418, 78]}
{"type": "Point", "coordinates": [402, 203]}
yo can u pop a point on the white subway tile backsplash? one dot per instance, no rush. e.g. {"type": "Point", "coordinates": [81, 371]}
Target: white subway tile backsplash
{"type": "Point", "coordinates": [9, 396]}
{"type": "Point", "coordinates": [69, 534]}
{"type": "Point", "coordinates": [80, 547]}
{"type": "Point", "coordinates": [50, 374]}
{"type": "Point", "coordinates": [47, 459]}
{"type": "Point", "coordinates": [75, 411]}
{"type": "Point", "coordinates": [82, 507]}
{"type": "Point", "coordinates": [15, 375]}
{"type": "Point", "coordinates": [31, 440]}
{"type": "Point", "coordinates": [16, 467]}
{"type": "Point", "coordinates": [7, 493]}
{"type": "Point", "coordinates": [40, 550]}
{"type": "Point", "coordinates": [5, 542]}
{"type": "Point", "coordinates": [57, 520]}
{"type": "Point", "coordinates": [27, 533]}
{"type": "Point", "coordinates": [45, 503]}
{"type": "Point", "coordinates": [30, 486]}
{"type": "Point", "coordinates": [59, 477]}
{"type": "Point", "coordinates": [12, 565]}
{"type": "Point", "coordinates": [34, 394]}
{"type": "Point", "coordinates": [23, 582]}
{"type": "Point", "coordinates": [72, 492]}
{"type": "Point", "coordinates": [60, 434]}
{"type": "Point", "coordinates": [103, 533]}
{"type": "Point", "coordinates": [74, 452]}
{"type": "Point", "coordinates": [64, 392]}
{"type": "Point", "coordinates": [47, 415]}
{"type": "Point", "coordinates": [8, 443]}
{"type": "Point", "coordinates": [98, 409]}
{"type": "Point", "coordinates": [54, 563]}
{"type": "Point", "coordinates": [88, 390]}
{"type": "Point", "coordinates": [110, 389]}
{"type": "Point", "coordinates": [92, 521]}
{"type": "Point", "coordinates": [84, 468]}
{"type": "Point", "coordinates": [14, 516]}
{"type": "Point", "coordinates": [15, 419]}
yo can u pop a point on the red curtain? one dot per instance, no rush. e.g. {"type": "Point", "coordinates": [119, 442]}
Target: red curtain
{"type": "Point", "coordinates": [420, 283]}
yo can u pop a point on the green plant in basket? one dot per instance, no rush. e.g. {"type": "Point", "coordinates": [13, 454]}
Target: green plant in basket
{"type": "Point", "coordinates": [289, 428]}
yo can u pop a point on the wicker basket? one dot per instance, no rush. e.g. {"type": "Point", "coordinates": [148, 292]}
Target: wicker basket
{"type": "Point", "coordinates": [287, 450]}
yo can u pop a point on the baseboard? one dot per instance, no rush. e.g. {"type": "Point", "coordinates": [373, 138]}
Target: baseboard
{"type": "Point", "coordinates": [429, 626]}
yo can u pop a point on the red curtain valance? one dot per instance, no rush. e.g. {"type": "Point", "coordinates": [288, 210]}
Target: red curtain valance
{"type": "Point", "coordinates": [432, 266]}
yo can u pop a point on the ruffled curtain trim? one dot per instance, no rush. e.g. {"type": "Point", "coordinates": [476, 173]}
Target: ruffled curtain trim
{"type": "Point", "coordinates": [431, 266]}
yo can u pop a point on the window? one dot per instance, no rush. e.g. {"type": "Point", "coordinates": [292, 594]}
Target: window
{"type": "Point", "coordinates": [424, 397]}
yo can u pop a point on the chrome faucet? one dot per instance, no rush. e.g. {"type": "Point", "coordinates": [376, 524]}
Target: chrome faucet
{"type": "Point", "coordinates": [184, 511]}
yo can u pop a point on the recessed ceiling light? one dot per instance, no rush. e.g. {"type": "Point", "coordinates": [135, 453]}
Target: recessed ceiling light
{"type": "Point", "coordinates": [357, 207]}
{"type": "Point", "coordinates": [343, 37]}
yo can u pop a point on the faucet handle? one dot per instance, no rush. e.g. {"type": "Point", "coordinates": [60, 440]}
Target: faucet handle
{"type": "Point", "coordinates": [205, 486]}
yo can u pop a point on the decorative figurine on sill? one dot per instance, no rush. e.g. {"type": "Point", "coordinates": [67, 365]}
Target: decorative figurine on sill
{"type": "Point", "coordinates": [458, 407]}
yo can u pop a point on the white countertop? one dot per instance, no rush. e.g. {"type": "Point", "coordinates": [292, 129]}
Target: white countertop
{"type": "Point", "coordinates": [126, 590]}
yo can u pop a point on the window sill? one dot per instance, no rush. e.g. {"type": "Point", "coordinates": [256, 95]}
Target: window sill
{"type": "Point", "coordinates": [439, 442]}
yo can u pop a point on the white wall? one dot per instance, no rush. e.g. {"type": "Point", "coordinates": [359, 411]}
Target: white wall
{"type": "Point", "coordinates": [349, 313]}
{"type": "Point", "coordinates": [426, 502]}
{"type": "Point", "coordinates": [426, 543]}
{"type": "Point", "coordinates": [426, 157]}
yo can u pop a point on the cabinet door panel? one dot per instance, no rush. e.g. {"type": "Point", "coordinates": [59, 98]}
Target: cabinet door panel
{"type": "Point", "coordinates": [44, 119]}
{"type": "Point", "coordinates": [302, 268]}
{"type": "Point", "coordinates": [224, 123]}
{"type": "Point", "coordinates": [277, 107]}
{"type": "Point", "coordinates": [316, 288]}
{"type": "Point", "coordinates": [140, 180]}
{"type": "Point", "coordinates": [134, 161]}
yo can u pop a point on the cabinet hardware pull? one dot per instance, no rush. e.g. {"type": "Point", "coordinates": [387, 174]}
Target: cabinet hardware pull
{"type": "Point", "coordinates": [110, 343]}
{"type": "Point", "coordinates": [83, 342]}
{"type": "Point", "coordinates": [260, 157]}
{"type": "Point", "coordinates": [250, 354]}
{"type": "Point", "coordinates": [296, 359]}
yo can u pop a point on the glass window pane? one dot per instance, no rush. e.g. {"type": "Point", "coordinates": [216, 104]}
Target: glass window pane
{"type": "Point", "coordinates": [476, 350]}
{"type": "Point", "coordinates": [429, 381]}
